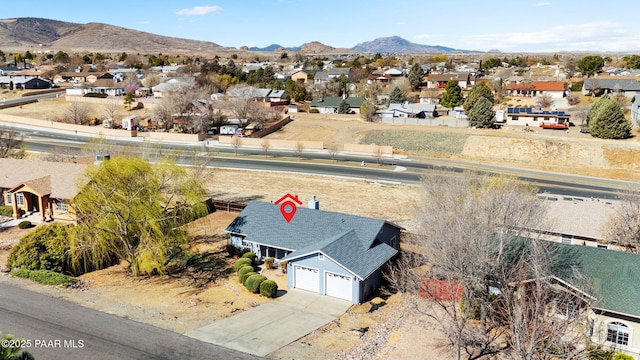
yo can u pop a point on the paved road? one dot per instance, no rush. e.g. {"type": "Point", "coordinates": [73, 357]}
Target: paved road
{"type": "Point", "coordinates": [58, 329]}
{"type": "Point", "coordinates": [416, 168]}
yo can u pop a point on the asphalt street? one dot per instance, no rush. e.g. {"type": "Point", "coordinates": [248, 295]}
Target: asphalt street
{"type": "Point", "coordinates": [55, 329]}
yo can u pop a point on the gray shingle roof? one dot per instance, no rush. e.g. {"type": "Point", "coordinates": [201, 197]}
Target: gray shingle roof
{"type": "Point", "coordinates": [612, 84]}
{"type": "Point", "coordinates": [348, 239]}
{"type": "Point", "coordinates": [334, 101]}
{"type": "Point", "coordinates": [614, 275]}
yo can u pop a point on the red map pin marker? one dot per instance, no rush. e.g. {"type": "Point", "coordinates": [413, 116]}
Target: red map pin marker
{"type": "Point", "coordinates": [288, 207]}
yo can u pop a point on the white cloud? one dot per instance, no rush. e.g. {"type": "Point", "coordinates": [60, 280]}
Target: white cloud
{"type": "Point", "coordinates": [199, 10]}
{"type": "Point", "coordinates": [401, 23]}
{"type": "Point", "coordinates": [425, 36]}
{"type": "Point", "coordinates": [596, 36]}
{"type": "Point", "coordinates": [543, 4]}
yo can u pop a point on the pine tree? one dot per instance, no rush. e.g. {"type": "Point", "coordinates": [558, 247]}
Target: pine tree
{"type": "Point", "coordinates": [343, 108]}
{"type": "Point", "coordinates": [606, 120]}
{"type": "Point", "coordinates": [415, 76]}
{"type": "Point", "coordinates": [482, 114]}
{"type": "Point", "coordinates": [452, 96]}
{"type": "Point", "coordinates": [481, 89]}
{"type": "Point", "coordinates": [397, 96]}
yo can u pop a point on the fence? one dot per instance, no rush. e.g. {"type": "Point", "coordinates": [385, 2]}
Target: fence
{"type": "Point", "coordinates": [227, 206]}
{"type": "Point", "coordinates": [273, 128]}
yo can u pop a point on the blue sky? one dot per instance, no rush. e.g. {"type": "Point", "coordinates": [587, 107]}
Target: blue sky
{"type": "Point", "coordinates": [509, 26]}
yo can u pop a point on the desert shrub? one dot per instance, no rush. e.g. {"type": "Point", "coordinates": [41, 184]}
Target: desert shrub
{"type": "Point", "coordinates": [46, 277]}
{"type": "Point", "coordinates": [249, 255]}
{"type": "Point", "coordinates": [45, 248]}
{"type": "Point", "coordinates": [268, 263]}
{"type": "Point", "coordinates": [241, 262]}
{"type": "Point", "coordinates": [269, 288]}
{"type": "Point", "coordinates": [573, 99]}
{"type": "Point", "coordinates": [314, 111]}
{"type": "Point", "coordinates": [253, 283]}
{"type": "Point", "coordinates": [244, 270]}
{"type": "Point", "coordinates": [597, 352]}
{"type": "Point", "coordinates": [416, 141]}
{"type": "Point", "coordinates": [6, 210]}
{"type": "Point", "coordinates": [244, 277]}
{"type": "Point", "coordinates": [25, 224]}
{"type": "Point", "coordinates": [621, 356]}
{"type": "Point", "coordinates": [577, 86]}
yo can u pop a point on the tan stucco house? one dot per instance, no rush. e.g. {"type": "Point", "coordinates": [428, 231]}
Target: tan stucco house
{"type": "Point", "coordinates": [33, 186]}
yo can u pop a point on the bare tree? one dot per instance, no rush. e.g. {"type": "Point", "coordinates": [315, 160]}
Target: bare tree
{"type": "Point", "coordinates": [490, 290]}
{"type": "Point", "coordinates": [298, 148]}
{"type": "Point", "coordinates": [377, 153]}
{"type": "Point", "coordinates": [240, 100]}
{"type": "Point", "coordinates": [111, 109]}
{"type": "Point", "coordinates": [624, 225]}
{"type": "Point", "coordinates": [544, 101]}
{"type": "Point", "coordinates": [266, 145]}
{"type": "Point", "coordinates": [333, 151]}
{"type": "Point", "coordinates": [236, 142]}
{"type": "Point", "coordinates": [78, 113]}
{"type": "Point", "coordinates": [10, 144]}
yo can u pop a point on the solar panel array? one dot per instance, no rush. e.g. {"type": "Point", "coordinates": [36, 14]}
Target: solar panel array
{"type": "Point", "coordinates": [532, 111]}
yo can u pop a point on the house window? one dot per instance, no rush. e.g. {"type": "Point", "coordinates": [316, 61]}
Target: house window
{"type": "Point", "coordinates": [546, 118]}
{"type": "Point", "coordinates": [514, 118]}
{"type": "Point", "coordinates": [535, 118]}
{"type": "Point", "coordinates": [566, 239]}
{"type": "Point", "coordinates": [246, 244]}
{"type": "Point", "coordinates": [618, 333]}
{"type": "Point", "coordinates": [320, 256]}
{"type": "Point", "coordinates": [9, 198]}
{"type": "Point", "coordinates": [62, 206]}
{"type": "Point", "coordinates": [19, 198]}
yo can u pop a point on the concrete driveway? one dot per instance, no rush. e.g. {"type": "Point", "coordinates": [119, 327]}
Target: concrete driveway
{"type": "Point", "coordinates": [272, 325]}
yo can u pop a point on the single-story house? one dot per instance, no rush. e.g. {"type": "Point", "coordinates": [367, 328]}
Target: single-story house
{"type": "Point", "coordinates": [532, 117]}
{"type": "Point", "coordinates": [300, 76]}
{"type": "Point", "coordinates": [106, 86]}
{"type": "Point", "coordinates": [326, 252]}
{"type": "Point", "coordinates": [24, 82]}
{"type": "Point", "coordinates": [600, 86]}
{"type": "Point", "coordinates": [172, 84]}
{"type": "Point", "coordinates": [409, 110]}
{"type": "Point", "coordinates": [33, 186]}
{"type": "Point", "coordinates": [330, 104]}
{"type": "Point", "coordinates": [555, 89]}
{"type": "Point", "coordinates": [613, 318]}
{"type": "Point", "coordinates": [439, 81]}
{"type": "Point", "coordinates": [166, 69]}
{"type": "Point", "coordinates": [635, 110]}
{"type": "Point", "coordinates": [330, 74]}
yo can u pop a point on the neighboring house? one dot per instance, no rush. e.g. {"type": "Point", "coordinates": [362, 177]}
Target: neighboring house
{"type": "Point", "coordinates": [533, 117]}
{"type": "Point", "coordinates": [32, 186]}
{"type": "Point", "coordinates": [85, 74]}
{"type": "Point", "coordinates": [635, 110]}
{"type": "Point", "coordinates": [614, 280]}
{"type": "Point", "coordinates": [600, 86]}
{"type": "Point", "coordinates": [407, 110]}
{"type": "Point", "coordinates": [300, 76]}
{"type": "Point", "coordinates": [329, 105]}
{"type": "Point", "coordinates": [430, 96]}
{"type": "Point", "coordinates": [171, 84]}
{"type": "Point", "coordinates": [169, 69]}
{"type": "Point", "coordinates": [329, 253]}
{"type": "Point", "coordinates": [394, 73]}
{"type": "Point", "coordinates": [24, 82]}
{"type": "Point", "coordinates": [330, 74]}
{"type": "Point", "coordinates": [106, 86]}
{"type": "Point", "coordinates": [555, 89]}
{"type": "Point", "coordinates": [379, 78]}
{"type": "Point", "coordinates": [439, 81]}
{"type": "Point", "coordinates": [259, 94]}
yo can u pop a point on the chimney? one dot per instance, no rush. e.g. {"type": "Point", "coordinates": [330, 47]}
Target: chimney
{"type": "Point", "coordinates": [314, 203]}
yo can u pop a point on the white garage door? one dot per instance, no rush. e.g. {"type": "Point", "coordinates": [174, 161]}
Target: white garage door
{"type": "Point", "coordinates": [306, 278]}
{"type": "Point", "coordinates": [338, 286]}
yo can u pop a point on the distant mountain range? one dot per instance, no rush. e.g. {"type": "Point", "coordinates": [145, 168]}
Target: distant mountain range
{"type": "Point", "coordinates": [391, 44]}
{"type": "Point", "coordinates": [28, 33]}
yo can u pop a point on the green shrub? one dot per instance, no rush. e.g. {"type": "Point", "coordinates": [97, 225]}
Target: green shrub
{"type": "Point", "coordinates": [253, 283]}
{"type": "Point", "coordinates": [269, 288]}
{"type": "Point", "coordinates": [314, 111]}
{"type": "Point", "coordinates": [249, 255]}
{"type": "Point", "coordinates": [96, 95]}
{"type": "Point", "coordinates": [25, 224]}
{"type": "Point", "coordinates": [46, 277]}
{"type": "Point", "coordinates": [621, 356]}
{"type": "Point", "coordinates": [6, 211]}
{"type": "Point", "coordinates": [597, 352]}
{"type": "Point", "coordinates": [21, 273]}
{"type": "Point", "coordinates": [233, 250]}
{"type": "Point", "coordinates": [244, 277]}
{"type": "Point", "coordinates": [45, 248]}
{"type": "Point", "coordinates": [577, 86]}
{"type": "Point", "coordinates": [241, 262]}
{"type": "Point", "coordinates": [268, 263]}
{"type": "Point", "coordinates": [244, 270]}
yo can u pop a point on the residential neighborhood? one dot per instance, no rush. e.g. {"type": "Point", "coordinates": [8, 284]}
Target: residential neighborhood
{"type": "Point", "coordinates": [319, 202]}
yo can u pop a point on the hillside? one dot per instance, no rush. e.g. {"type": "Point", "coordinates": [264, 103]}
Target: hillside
{"type": "Point", "coordinates": [25, 33]}
{"type": "Point", "coordinates": [396, 44]}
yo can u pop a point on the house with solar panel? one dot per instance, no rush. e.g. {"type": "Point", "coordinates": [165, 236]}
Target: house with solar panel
{"type": "Point", "coordinates": [324, 252]}
{"type": "Point", "coordinates": [525, 116]}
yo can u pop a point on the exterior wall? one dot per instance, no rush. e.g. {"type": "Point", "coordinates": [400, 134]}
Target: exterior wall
{"type": "Point", "coordinates": [388, 233]}
{"type": "Point", "coordinates": [600, 332]}
{"type": "Point", "coordinates": [369, 286]}
{"type": "Point", "coordinates": [530, 120]}
{"type": "Point", "coordinates": [327, 264]}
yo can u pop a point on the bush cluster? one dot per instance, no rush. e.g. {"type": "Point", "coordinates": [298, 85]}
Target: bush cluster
{"type": "Point", "coordinates": [242, 262]}
{"type": "Point", "coordinates": [96, 95]}
{"type": "Point", "coordinates": [45, 248]}
{"type": "Point", "coordinates": [253, 283]}
{"type": "Point", "coordinates": [25, 224]}
{"type": "Point", "coordinates": [6, 210]}
{"type": "Point", "coordinates": [245, 276]}
{"type": "Point", "coordinates": [46, 277]}
{"type": "Point", "coordinates": [269, 288]}
{"type": "Point", "coordinates": [243, 270]}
